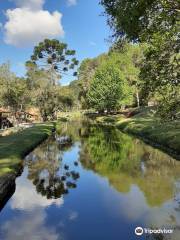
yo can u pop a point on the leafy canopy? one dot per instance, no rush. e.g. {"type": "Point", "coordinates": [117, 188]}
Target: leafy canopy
{"type": "Point", "coordinates": [54, 56]}
{"type": "Point", "coordinates": [106, 89]}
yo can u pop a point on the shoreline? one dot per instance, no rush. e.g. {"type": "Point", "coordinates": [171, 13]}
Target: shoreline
{"type": "Point", "coordinates": [14, 147]}
{"type": "Point", "coordinates": [149, 131]}
{"type": "Point", "coordinates": [150, 142]}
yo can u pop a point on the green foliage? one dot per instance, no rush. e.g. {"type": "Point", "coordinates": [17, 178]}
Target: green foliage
{"type": "Point", "coordinates": [86, 73]}
{"type": "Point", "coordinates": [13, 90]}
{"type": "Point", "coordinates": [49, 59]}
{"type": "Point", "coordinates": [44, 94]}
{"type": "Point", "coordinates": [106, 88]}
{"type": "Point", "coordinates": [16, 95]}
{"type": "Point", "coordinates": [5, 77]}
{"type": "Point", "coordinates": [152, 129]}
{"type": "Point", "coordinates": [66, 98]}
{"type": "Point", "coordinates": [141, 18]}
{"type": "Point", "coordinates": [54, 56]}
{"type": "Point", "coordinates": [49, 98]}
{"type": "Point", "coordinates": [127, 60]}
{"type": "Point", "coordinates": [169, 103]}
{"type": "Point", "coordinates": [156, 23]}
{"type": "Point", "coordinates": [74, 91]}
{"type": "Point", "coordinates": [48, 103]}
{"type": "Point", "coordinates": [160, 72]}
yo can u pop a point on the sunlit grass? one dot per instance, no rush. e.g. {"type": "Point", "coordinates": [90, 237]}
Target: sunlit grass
{"type": "Point", "coordinates": [165, 135]}
{"type": "Point", "coordinates": [14, 147]}
{"type": "Point", "coordinates": [73, 115]}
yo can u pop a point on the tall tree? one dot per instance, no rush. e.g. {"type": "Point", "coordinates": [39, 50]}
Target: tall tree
{"type": "Point", "coordinates": [16, 95]}
{"type": "Point", "coordinates": [107, 88]}
{"type": "Point", "coordinates": [156, 23]}
{"type": "Point", "coordinates": [129, 58]}
{"type": "Point", "coordinates": [86, 73]}
{"type": "Point", "coordinates": [13, 90]}
{"type": "Point", "coordinates": [49, 61]}
{"type": "Point", "coordinates": [6, 77]}
{"type": "Point", "coordinates": [139, 19]}
{"type": "Point", "coordinates": [55, 57]}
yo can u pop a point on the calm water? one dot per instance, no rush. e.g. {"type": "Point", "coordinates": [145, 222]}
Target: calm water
{"type": "Point", "coordinates": [97, 185]}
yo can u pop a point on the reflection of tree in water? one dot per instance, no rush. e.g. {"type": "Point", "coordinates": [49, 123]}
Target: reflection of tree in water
{"type": "Point", "coordinates": [47, 171]}
{"type": "Point", "coordinates": [109, 150]}
{"type": "Point", "coordinates": [126, 161]}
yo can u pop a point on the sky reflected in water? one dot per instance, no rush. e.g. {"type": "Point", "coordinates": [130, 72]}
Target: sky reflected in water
{"type": "Point", "coordinates": [97, 184]}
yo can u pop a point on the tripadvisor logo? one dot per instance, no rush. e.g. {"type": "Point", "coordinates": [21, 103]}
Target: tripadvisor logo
{"type": "Point", "coordinates": [139, 231]}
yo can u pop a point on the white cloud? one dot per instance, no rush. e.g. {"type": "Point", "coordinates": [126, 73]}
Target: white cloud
{"type": "Point", "coordinates": [26, 27]}
{"type": "Point", "coordinates": [29, 226]}
{"type": "Point", "coordinates": [29, 24]}
{"type": "Point", "coordinates": [25, 191]}
{"type": "Point", "coordinates": [31, 223]}
{"type": "Point", "coordinates": [73, 216]}
{"type": "Point", "coordinates": [30, 4]}
{"type": "Point", "coordinates": [71, 2]}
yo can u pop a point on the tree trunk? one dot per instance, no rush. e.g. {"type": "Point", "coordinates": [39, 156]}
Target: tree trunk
{"type": "Point", "coordinates": [137, 99]}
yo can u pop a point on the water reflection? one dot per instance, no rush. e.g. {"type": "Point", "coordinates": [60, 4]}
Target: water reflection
{"type": "Point", "coordinates": [150, 178]}
{"type": "Point", "coordinates": [26, 228]}
{"type": "Point", "coordinates": [93, 182]}
{"type": "Point", "coordinates": [127, 161]}
{"type": "Point", "coordinates": [26, 197]}
{"type": "Point", "coordinates": [7, 189]}
{"type": "Point", "coordinates": [48, 173]}
{"type": "Point", "coordinates": [31, 224]}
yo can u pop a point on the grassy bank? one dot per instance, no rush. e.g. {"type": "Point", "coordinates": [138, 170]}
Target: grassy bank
{"type": "Point", "coordinates": [70, 116]}
{"type": "Point", "coordinates": [14, 147]}
{"type": "Point", "coordinates": [164, 135]}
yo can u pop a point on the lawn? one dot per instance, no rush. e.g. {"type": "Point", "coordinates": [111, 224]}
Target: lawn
{"type": "Point", "coordinates": [159, 133]}
{"type": "Point", "coordinates": [14, 147]}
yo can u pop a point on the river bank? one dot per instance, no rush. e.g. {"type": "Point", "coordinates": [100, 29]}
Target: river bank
{"type": "Point", "coordinates": [160, 134]}
{"type": "Point", "coordinates": [15, 146]}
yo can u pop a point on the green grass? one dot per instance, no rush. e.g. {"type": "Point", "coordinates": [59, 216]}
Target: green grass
{"type": "Point", "coordinates": [164, 135]}
{"type": "Point", "coordinates": [70, 116]}
{"type": "Point", "coordinates": [14, 147]}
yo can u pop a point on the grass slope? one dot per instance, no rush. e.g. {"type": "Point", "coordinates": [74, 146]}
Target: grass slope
{"type": "Point", "coordinates": [164, 135]}
{"type": "Point", "coordinates": [14, 147]}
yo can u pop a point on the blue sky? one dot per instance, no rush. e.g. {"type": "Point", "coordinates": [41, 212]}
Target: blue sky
{"type": "Point", "coordinates": [76, 22]}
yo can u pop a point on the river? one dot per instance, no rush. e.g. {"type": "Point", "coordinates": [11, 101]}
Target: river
{"type": "Point", "coordinates": [88, 182]}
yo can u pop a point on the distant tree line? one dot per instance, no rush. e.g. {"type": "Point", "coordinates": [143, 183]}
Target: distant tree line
{"type": "Point", "coordinates": [40, 88]}
{"type": "Point", "coordinates": [142, 65]}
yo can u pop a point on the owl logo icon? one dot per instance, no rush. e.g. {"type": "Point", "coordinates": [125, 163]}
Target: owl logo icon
{"type": "Point", "coordinates": [139, 231]}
